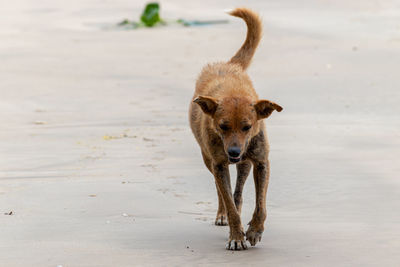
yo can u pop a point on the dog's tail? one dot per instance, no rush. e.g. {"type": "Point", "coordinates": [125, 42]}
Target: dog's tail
{"type": "Point", "coordinates": [254, 31]}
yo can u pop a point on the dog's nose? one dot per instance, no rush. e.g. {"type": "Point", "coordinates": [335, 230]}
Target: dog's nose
{"type": "Point", "coordinates": [234, 151]}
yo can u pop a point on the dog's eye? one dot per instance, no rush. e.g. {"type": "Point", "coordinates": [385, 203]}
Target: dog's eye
{"type": "Point", "coordinates": [246, 128]}
{"type": "Point", "coordinates": [224, 127]}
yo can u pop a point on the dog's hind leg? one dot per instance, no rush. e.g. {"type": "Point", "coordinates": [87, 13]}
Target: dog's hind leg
{"type": "Point", "coordinates": [243, 170]}
{"type": "Point", "coordinates": [222, 218]}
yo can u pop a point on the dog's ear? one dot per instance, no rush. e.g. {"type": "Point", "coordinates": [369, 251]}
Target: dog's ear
{"type": "Point", "coordinates": [208, 104]}
{"type": "Point", "coordinates": [264, 108]}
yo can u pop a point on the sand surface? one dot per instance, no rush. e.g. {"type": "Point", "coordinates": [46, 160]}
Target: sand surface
{"type": "Point", "coordinates": [99, 167]}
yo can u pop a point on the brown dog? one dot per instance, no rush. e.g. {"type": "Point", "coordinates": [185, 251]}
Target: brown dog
{"type": "Point", "coordinates": [226, 118]}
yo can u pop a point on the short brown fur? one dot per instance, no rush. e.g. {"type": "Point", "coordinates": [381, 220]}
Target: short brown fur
{"type": "Point", "coordinates": [226, 118]}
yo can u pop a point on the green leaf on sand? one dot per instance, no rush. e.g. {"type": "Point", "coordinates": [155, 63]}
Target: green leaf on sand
{"type": "Point", "coordinates": [150, 15]}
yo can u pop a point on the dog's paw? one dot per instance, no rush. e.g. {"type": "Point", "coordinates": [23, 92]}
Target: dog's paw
{"type": "Point", "coordinates": [236, 245]}
{"type": "Point", "coordinates": [236, 241]}
{"type": "Point", "coordinates": [253, 236]}
{"type": "Point", "coordinates": [221, 220]}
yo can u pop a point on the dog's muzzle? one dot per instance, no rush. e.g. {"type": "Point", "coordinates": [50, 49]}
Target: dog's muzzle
{"type": "Point", "coordinates": [234, 154]}
{"type": "Point", "coordinates": [234, 160]}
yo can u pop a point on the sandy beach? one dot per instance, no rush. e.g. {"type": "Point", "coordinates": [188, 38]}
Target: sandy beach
{"type": "Point", "coordinates": [98, 166]}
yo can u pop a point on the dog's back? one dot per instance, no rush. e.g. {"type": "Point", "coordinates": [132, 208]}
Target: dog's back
{"type": "Point", "coordinates": [229, 78]}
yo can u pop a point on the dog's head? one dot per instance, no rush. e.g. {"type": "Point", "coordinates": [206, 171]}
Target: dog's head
{"type": "Point", "coordinates": [236, 120]}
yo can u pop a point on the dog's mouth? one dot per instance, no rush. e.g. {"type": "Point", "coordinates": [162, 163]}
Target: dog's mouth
{"type": "Point", "coordinates": [234, 159]}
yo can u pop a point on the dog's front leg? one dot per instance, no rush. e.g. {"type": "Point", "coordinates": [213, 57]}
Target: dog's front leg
{"type": "Point", "coordinates": [256, 225]}
{"type": "Point", "coordinates": [223, 181]}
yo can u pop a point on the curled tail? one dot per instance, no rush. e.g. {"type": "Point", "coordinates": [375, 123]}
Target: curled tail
{"type": "Point", "coordinates": [254, 31]}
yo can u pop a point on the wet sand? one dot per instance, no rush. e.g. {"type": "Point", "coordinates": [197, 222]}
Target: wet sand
{"type": "Point", "coordinates": [99, 167]}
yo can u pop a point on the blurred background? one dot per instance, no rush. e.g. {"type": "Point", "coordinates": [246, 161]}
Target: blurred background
{"type": "Point", "coordinates": [98, 166]}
